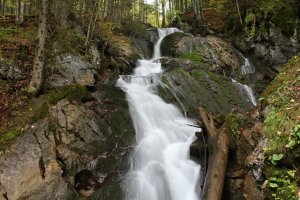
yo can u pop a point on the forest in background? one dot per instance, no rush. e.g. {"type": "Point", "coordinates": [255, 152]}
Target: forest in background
{"type": "Point", "coordinates": [30, 29]}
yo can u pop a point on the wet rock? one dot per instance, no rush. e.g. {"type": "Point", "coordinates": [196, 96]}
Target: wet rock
{"type": "Point", "coordinates": [196, 86]}
{"type": "Point", "coordinates": [9, 71]}
{"type": "Point", "coordinates": [85, 183]}
{"type": "Point", "coordinates": [276, 56]}
{"type": "Point", "coordinates": [225, 51]}
{"type": "Point", "coordinates": [173, 63]}
{"type": "Point", "coordinates": [261, 51]}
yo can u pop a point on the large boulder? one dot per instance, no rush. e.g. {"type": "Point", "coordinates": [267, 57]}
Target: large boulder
{"type": "Point", "coordinates": [212, 50]}
{"type": "Point", "coordinates": [74, 137]}
{"type": "Point", "coordinates": [225, 52]}
{"type": "Point", "coordinates": [194, 85]}
{"type": "Point", "coordinates": [30, 170]}
{"type": "Point", "coordinates": [73, 69]}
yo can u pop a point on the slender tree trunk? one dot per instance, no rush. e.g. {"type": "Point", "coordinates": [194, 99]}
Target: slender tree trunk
{"type": "Point", "coordinates": [239, 12]}
{"type": "Point", "coordinates": [21, 12]}
{"type": "Point", "coordinates": [91, 23]}
{"type": "Point", "coordinates": [37, 78]}
{"type": "Point", "coordinates": [163, 3]}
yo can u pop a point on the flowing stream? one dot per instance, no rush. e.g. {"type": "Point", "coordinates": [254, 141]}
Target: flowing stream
{"type": "Point", "coordinates": [161, 168]}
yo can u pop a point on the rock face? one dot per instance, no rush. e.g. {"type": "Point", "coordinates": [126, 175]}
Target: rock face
{"type": "Point", "coordinates": [96, 135]}
{"type": "Point", "coordinates": [29, 170]}
{"type": "Point", "coordinates": [244, 178]}
{"type": "Point", "coordinates": [73, 69]}
{"type": "Point", "coordinates": [191, 86]}
{"type": "Point", "coordinates": [9, 71]}
{"type": "Point", "coordinates": [213, 50]}
{"type": "Point", "coordinates": [272, 47]}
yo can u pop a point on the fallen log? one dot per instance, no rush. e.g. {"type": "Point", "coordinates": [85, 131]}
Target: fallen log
{"type": "Point", "coordinates": [218, 147]}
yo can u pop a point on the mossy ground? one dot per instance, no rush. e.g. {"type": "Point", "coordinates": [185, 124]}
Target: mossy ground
{"type": "Point", "coordinates": [193, 57]}
{"type": "Point", "coordinates": [282, 117]}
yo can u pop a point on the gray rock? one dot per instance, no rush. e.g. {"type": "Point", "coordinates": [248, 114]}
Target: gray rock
{"type": "Point", "coordinates": [57, 81]}
{"type": "Point", "coordinates": [94, 52]}
{"type": "Point", "coordinates": [225, 52]}
{"type": "Point", "coordinates": [276, 36]}
{"type": "Point", "coordinates": [276, 56]}
{"type": "Point", "coordinates": [9, 71]}
{"type": "Point", "coordinates": [261, 51]}
{"type": "Point", "coordinates": [29, 169]}
{"type": "Point", "coordinates": [75, 69]}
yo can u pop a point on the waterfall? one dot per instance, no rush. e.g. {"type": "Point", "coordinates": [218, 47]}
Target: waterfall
{"type": "Point", "coordinates": [247, 67]}
{"type": "Point", "coordinates": [160, 165]}
{"type": "Point", "coordinates": [247, 90]}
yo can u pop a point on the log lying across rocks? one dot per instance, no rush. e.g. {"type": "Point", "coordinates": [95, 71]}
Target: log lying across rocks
{"type": "Point", "coordinates": [218, 148]}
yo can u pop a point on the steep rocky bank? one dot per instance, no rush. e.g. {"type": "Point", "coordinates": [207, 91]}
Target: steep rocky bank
{"type": "Point", "coordinates": [74, 140]}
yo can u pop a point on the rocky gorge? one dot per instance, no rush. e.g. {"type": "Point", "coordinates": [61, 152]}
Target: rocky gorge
{"type": "Point", "coordinates": [79, 136]}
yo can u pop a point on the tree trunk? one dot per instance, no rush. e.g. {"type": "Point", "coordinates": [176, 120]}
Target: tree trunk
{"type": "Point", "coordinates": [37, 78]}
{"type": "Point", "coordinates": [163, 3]}
{"type": "Point", "coordinates": [94, 16]}
{"type": "Point", "coordinates": [218, 146]}
{"type": "Point", "coordinates": [239, 12]}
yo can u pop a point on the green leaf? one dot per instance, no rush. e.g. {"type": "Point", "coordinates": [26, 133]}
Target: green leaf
{"type": "Point", "coordinates": [277, 157]}
{"type": "Point", "coordinates": [273, 185]}
{"type": "Point", "coordinates": [291, 144]}
{"type": "Point", "coordinates": [292, 173]}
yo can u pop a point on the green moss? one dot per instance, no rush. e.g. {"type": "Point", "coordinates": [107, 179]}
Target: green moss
{"type": "Point", "coordinates": [72, 93]}
{"type": "Point", "coordinates": [193, 57]}
{"type": "Point", "coordinates": [282, 183]}
{"type": "Point", "coordinates": [40, 113]}
{"type": "Point", "coordinates": [280, 126]}
{"type": "Point", "coordinates": [16, 34]}
{"type": "Point", "coordinates": [234, 122]}
{"type": "Point", "coordinates": [10, 135]}
{"type": "Point", "coordinates": [282, 115]}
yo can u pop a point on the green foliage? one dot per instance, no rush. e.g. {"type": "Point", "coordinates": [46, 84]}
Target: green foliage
{"type": "Point", "coordinates": [134, 28]}
{"type": "Point", "coordinates": [250, 25]}
{"type": "Point", "coordinates": [234, 122]}
{"type": "Point", "coordinates": [283, 184]}
{"type": "Point", "coordinates": [193, 57]}
{"type": "Point", "coordinates": [40, 113]}
{"type": "Point", "coordinates": [294, 139]}
{"type": "Point", "coordinates": [275, 158]}
{"type": "Point", "coordinates": [14, 34]}
{"type": "Point", "coordinates": [282, 128]}
{"type": "Point", "coordinates": [10, 135]}
{"type": "Point", "coordinates": [76, 93]}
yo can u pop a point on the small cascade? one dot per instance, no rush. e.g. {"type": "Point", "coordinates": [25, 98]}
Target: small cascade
{"type": "Point", "coordinates": [246, 90]}
{"type": "Point", "coordinates": [161, 168]}
{"type": "Point", "coordinates": [247, 67]}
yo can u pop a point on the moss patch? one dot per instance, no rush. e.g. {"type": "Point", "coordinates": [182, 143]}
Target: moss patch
{"type": "Point", "coordinates": [76, 93]}
{"type": "Point", "coordinates": [193, 57]}
{"type": "Point", "coordinates": [10, 135]}
{"type": "Point", "coordinates": [282, 117]}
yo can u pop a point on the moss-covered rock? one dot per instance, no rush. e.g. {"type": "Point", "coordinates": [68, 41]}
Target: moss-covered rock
{"type": "Point", "coordinates": [196, 86]}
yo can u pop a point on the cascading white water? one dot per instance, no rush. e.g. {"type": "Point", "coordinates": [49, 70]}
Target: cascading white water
{"type": "Point", "coordinates": [248, 90]}
{"type": "Point", "coordinates": [247, 67]}
{"type": "Point", "coordinates": [160, 165]}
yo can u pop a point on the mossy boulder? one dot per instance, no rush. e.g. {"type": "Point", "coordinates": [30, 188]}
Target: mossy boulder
{"type": "Point", "coordinates": [196, 86]}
